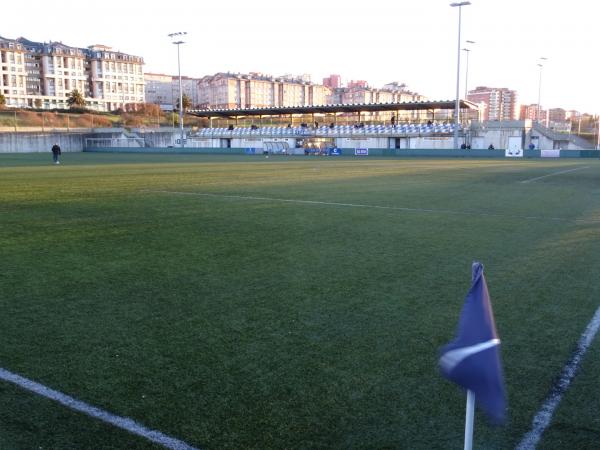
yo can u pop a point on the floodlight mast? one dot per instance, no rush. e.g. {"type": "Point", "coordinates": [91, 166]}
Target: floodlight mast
{"type": "Point", "coordinates": [457, 106]}
{"type": "Point", "coordinates": [467, 51]}
{"type": "Point", "coordinates": [177, 41]}
{"type": "Point", "coordinates": [540, 65]}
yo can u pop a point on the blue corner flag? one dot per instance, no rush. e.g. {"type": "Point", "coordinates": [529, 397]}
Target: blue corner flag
{"type": "Point", "coordinates": [472, 360]}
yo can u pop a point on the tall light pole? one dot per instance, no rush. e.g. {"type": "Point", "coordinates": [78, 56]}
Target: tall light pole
{"type": "Point", "coordinates": [598, 142]}
{"type": "Point", "coordinates": [467, 51]}
{"type": "Point", "coordinates": [177, 41]}
{"type": "Point", "coordinates": [457, 106]}
{"type": "Point", "coordinates": [540, 65]}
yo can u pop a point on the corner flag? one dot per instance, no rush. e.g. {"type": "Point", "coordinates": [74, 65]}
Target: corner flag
{"type": "Point", "coordinates": [472, 360]}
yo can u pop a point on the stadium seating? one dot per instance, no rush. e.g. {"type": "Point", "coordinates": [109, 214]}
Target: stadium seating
{"type": "Point", "coordinates": [335, 131]}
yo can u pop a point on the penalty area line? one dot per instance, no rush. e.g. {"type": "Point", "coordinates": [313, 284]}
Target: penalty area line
{"type": "Point", "coordinates": [124, 423]}
{"type": "Point", "coordinates": [544, 415]}
{"type": "Point", "coordinates": [553, 173]}
{"type": "Point", "coordinates": [359, 205]}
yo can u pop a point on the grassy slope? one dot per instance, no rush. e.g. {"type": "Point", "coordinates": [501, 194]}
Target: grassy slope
{"type": "Point", "coordinates": [256, 324]}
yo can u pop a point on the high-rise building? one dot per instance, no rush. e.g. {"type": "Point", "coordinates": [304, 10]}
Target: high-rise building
{"type": "Point", "coordinates": [333, 81]}
{"type": "Point", "coordinates": [255, 90]}
{"type": "Point", "coordinates": [36, 74]}
{"type": "Point", "coordinates": [495, 103]}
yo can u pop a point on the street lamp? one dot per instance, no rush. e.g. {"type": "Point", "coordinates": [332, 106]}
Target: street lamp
{"type": "Point", "coordinates": [467, 50]}
{"type": "Point", "coordinates": [457, 106]}
{"type": "Point", "coordinates": [540, 65]}
{"type": "Point", "coordinates": [177, 41]}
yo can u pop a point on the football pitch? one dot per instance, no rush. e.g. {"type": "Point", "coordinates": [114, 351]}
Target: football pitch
{"type": "Point", "coordinates": [290, 302]}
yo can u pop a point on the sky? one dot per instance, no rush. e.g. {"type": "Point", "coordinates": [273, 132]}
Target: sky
{"type": "Point", "coordinates": [380, 41]}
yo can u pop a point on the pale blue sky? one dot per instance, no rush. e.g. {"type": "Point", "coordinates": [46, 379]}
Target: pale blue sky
{"type": "Point", "coordinates": [377, 40]}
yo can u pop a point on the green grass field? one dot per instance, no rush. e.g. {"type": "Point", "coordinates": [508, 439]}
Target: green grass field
{"type": "Point", "coordinates": [237, 320]}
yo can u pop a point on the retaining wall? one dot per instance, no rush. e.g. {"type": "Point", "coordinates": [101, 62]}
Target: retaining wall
{"type": "Point", "coordinates": [40, 142]}
{"type": "Point", "coordinates": [440, 153]}
{"type": "Point", "coordinates": [173, 150]}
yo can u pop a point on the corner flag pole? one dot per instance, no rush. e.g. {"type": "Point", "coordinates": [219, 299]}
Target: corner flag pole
{"type": "Point", "coordinates": [470, 416]}
{"type": "Point", "coordinates": [472, 360]}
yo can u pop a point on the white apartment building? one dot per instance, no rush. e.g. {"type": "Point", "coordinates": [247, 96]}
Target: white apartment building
{"type": "Point", "coordinates": [116, 78]}
{"type": "Point", "coordinates": [42, 75]}
{"type": "Point", "coordinates": [254, 90]}
{"type": "Point", "coordinates": [159, 90]}
{"type": "Point", "coordinates": [163, 90]}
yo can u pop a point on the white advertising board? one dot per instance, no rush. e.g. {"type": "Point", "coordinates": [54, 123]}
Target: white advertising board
{"type": "Point", "coordinates": [550, 153]}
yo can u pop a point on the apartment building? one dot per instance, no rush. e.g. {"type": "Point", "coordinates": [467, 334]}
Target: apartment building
{"type": "Point", "coordinates": [531, 112]}
{"type": "Point", "coordinates": [495, 103]}
{"type": "Point", "coordinates": [558, 115]}
{"type": "Point", "coordinates": [572, 115]}
{"type": "Point", "coordinates": [163, 90]}
{"type": "Point", "coordinates": [361, 93]}
{"type": "Point", "coordinates": [557, 120]}
{"type": "Point", "coordinates": [357, 84]}
{"type": "Point", "coordinates": [158, 89]}
{"type": "Point", "coordinates": [42, 75]}
{"type": "Point", "coordinates": [333, 81]}
{"type": "Point", "coordinates": [358, 92]}
{"type": "Point", "coordinates": [13, 76]}
{"type": "Point", "coordinates": [255, 90]}
{"type": "Point", "coordinates": [115, 78]}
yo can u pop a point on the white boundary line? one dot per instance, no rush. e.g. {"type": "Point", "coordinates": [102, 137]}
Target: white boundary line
{"type": "Point", "coordinates": [124, 423]}
{"type": "Point", "coordinates": [554, 173]}
{"type": "Point", "coordinates": [359, 205]}
{"type": "Point", "coordinates": [544, 416]}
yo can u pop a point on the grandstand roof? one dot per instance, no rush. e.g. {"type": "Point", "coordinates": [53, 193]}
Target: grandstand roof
{"type": "Point", "coordinates": [339, 108]}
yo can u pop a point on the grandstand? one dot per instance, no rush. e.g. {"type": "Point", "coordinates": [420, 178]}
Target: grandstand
{"type": "Point", "coordinates": [374, 125]}
{"type": "Point", "coordinates": [357, 129]}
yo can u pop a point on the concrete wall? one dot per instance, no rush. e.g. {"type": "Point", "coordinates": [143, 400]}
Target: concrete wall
{"type": "Point", "coordinates": [365, 142]}
{"type": "Point", "coordinates": [160, 138]}
{"type": "Point", "coordinates": [349, 152]}
{"type": "Point", "coordinates": [173, 150]}
{"type": "Point", "coordinates": [497, 134]}
{"type": "Point", "coordinates": [441, 143]}
{"type": "Point", "coordinates": [40, 142]}
{"type": "Point", "coordinates": [203, 143]}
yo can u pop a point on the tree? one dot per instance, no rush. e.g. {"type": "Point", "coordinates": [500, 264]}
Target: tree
{"type": "Point", "coordinates": [38, 103]}
{"type": "Point", "coordinates": [75, 99]}
{"type": "Point", "coordinates": [2, 101]}
{"type": "Point", "coordinates": [187, 103]}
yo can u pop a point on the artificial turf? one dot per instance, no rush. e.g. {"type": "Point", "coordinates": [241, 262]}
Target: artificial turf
{"type": "Point", "coordinates": [301, 304]}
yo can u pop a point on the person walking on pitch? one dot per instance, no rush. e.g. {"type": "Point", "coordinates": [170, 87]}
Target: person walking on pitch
{"type": "Point", "coordinates": [55, 153]}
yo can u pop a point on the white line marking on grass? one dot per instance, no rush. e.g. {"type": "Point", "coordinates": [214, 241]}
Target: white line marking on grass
{"type": "Point", "coordinates": [121, 422]}
{"type": "Point", "coordinates": [554, 173]}
{"type": "Point", "coordinates": [544, 416]}
{"type": "Point", "coordinates": [359, 205]}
